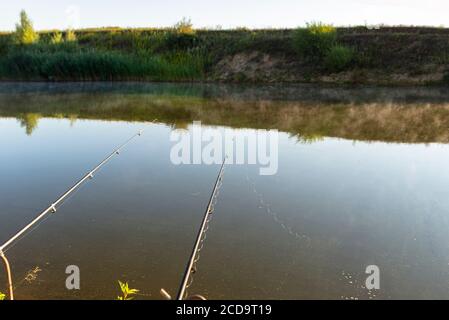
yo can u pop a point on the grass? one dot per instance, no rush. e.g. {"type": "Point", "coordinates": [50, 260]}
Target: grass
{"type": "Point", "coordinates": [182, 53]}
{"type": "Point", "coordinates": [163, 55]}
{"type": "Point", "coordinates": [179, 53]}
{"type": "Point", "coordinates": [66, 61]}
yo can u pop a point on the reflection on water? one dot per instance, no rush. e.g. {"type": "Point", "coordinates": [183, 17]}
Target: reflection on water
{"type": "Point", "coordinates": [367, 185]}
{"type": "Point", "coordinates": [393, 115]}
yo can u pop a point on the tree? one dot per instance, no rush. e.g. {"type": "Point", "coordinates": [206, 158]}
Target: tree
{"type": "Point", "coordinates": [30, 122]}
{"type": "Point", "coordinates": [25, 33]}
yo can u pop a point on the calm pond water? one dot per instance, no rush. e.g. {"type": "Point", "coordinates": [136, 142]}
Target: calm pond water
{"type": "Point", "coordinates": [363, 179]}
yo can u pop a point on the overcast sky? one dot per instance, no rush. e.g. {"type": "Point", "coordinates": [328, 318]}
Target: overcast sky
{"type": "Point", "coordinates": [60, 14]}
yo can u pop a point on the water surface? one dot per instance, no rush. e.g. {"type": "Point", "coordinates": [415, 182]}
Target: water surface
{"type": "Point", "coordinates": [362, 180]}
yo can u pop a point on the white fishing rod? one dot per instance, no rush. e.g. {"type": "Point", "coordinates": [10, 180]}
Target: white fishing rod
{"type": "Point", "coordinates": [52, 209]}
{"type": "Point", "coordinates": [187, 279]}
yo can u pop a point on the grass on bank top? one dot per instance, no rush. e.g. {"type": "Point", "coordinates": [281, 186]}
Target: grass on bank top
{"type": "Point", "coordinates": [62, 64]}
{"type": "Point", "coordinates": [57, 56]}
{"type": "Point", "coordinates": [181, 53]}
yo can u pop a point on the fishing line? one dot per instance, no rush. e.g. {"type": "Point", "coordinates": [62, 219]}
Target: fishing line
{"type": "Point", "coordinates": [274, 215]}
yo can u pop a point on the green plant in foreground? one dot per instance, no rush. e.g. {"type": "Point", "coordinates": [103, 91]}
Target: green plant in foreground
{"type": "Point", "coordinates": [2, 296]}
{"type": "Point", "coordinates": [338, 58]}
{"type": "Point", "coordinates": [315, 41]}
{"type": "Point", "coordinates": [127, 293]}
{"type": "Point", "coordinates": [25, 33]}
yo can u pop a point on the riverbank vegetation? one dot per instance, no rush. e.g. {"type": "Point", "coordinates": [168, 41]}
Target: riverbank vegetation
{"type": "Point", "coordinates": [315, 53]}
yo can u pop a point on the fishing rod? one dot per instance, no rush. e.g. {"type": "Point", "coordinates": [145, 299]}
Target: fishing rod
{"type": "Point", "coordinates": [194, 257]}
{"type": "Point", "coordinates": [53, 208]}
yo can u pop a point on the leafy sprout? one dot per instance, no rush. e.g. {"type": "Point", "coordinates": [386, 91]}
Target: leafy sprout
{"type": "Point", "coordinates": [127, 293]}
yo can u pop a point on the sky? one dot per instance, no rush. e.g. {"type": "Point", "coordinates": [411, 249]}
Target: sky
{"type": "Point", "coordinates": [61, 14]}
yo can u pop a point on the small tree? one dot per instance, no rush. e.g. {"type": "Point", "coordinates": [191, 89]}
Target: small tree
{"type": "Point", "coordinates": [25, 33]}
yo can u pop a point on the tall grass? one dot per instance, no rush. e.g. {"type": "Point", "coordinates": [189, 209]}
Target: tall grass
{"type": "Point", "coordinates": [67, 62]}
{"type": "Point", "coordinates": [168, 54]}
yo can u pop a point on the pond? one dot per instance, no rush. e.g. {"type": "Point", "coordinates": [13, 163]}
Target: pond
{"type": "Point", "coordinates": [361, 178]}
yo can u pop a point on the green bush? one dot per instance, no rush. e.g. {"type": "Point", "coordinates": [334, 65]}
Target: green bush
{"type": "Point", "coordinates": [184, 26]}
{"type": "Point", "coordinates": [315, 41]}
{"type": "Point", "coordinates": [70, 36]}
{"type": "Point", "coordinates": [338, 58]}
{"type": "Point", "coordinates": [56, 38]}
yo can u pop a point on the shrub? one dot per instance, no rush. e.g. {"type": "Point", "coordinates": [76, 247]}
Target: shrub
{"type": "Point", "coordinates": [25, 33]}
{"type": "Point", "coordinates": [56, 38]}
{"type": "Point", "coordinates": [315, 41]}
{"type": "Point", "coordinates": [70, 36]}
{"type": "Point", "coordinates": [184, 26]}
{"type": "Point", "coordinates": [181, 37]}
{"type": "Point", "coordinates": [338, 58]}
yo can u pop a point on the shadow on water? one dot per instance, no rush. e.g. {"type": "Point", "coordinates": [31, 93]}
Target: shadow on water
{"type": "Point", "coordinates": [409, 115]}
